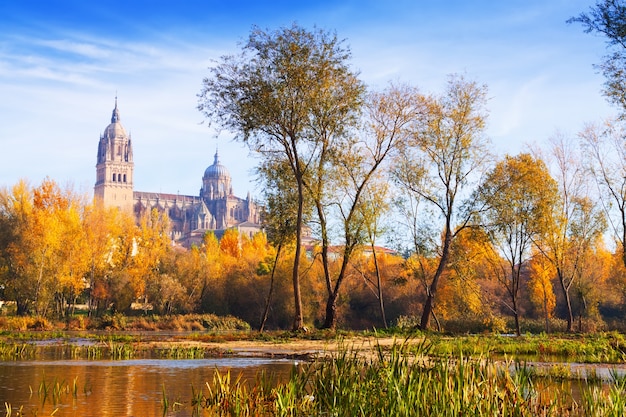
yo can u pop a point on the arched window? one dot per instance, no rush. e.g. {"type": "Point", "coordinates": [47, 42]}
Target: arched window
{"type": "Point", "coordinates": [124, 177]}
{"type": "Point", "coordinates": [113, 177]}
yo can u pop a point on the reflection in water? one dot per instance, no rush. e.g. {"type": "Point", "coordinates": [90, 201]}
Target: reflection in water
{"type": "Point", "coordinates": [120, 388]}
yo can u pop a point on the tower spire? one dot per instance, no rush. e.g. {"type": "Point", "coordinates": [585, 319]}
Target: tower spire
{"type": "Point", "coordinates": [115, 117]}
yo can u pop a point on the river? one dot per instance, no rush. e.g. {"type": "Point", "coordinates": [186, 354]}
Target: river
{"type": "Point", "coordinates": [119, 387]}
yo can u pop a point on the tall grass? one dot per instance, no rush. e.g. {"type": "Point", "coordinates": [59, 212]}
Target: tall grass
{"type": "Point", "coordinates": [607, 347]}
{"type": "Point", "coordinates": [407, 381]}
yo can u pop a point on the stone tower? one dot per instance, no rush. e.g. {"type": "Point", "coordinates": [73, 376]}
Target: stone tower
{"type": "Point", "coordinates": [114, 169]}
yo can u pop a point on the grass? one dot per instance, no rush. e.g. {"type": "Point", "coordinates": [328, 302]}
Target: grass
{"type": "Point", "coordinates": [607, 347]}
{"type": "Point", "coordinates": [121, 322]}
{"type": "Point", "coordinates": [407, 381]}
{"type": "Point", "coordinates": [589, 348]}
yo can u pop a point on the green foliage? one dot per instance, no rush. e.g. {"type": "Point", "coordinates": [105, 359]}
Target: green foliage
{"type": "Point", "coordinates": [608, 18]}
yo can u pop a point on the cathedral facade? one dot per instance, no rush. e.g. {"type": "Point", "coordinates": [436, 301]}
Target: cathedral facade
{"type": "Point", "coordinates": [216, 208]}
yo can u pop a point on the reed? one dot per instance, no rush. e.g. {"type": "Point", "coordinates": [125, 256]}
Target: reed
{"type": "Point", "coordinates": [609, 347]}
{"type": "Point", "coordinates": [181, 352]}
{"type": "Point", "coordinates": [405, 381]}
{"type": "Point", "coordinates": [13, 351]}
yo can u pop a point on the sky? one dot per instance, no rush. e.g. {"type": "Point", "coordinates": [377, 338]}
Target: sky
{"type": "Point", "coordinates": [63, 63]}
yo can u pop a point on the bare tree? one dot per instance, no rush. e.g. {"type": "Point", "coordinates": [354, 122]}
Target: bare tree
{"type": "Point", "coordinates": [447, 151]}
{"type": "Point", "coordinates": [605, 151]}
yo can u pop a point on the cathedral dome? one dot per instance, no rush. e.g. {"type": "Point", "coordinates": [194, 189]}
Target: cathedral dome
{"type": "Point", "coordinates": [115, 129]}
{"type": "Point", "coordinates": [216, 170]}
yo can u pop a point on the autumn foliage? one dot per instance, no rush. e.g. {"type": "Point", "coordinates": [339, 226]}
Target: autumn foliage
{"type": "Point", "coordinates": [58, 252]}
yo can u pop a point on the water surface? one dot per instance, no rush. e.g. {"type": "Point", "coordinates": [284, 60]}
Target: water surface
{"type": "Point", "coordinates": [133, 387]}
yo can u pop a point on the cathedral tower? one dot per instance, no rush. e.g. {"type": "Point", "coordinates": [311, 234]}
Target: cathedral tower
{"type": "Point", "coordinates": [114, 169]}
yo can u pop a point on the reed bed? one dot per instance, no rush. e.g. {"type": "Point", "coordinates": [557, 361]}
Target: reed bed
{"type": "Point", "coordinates": [608, 347]}
{"type": "Point", "coordinates": [407, 381]}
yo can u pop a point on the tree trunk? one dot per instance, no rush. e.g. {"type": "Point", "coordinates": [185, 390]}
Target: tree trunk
{"type": "Point", "coordinates": [381, 304]}
{"type": "Point", "coordinates": [568, 303]}
{"type": "Point", "coordinates": [331, 311]}
{"type": "Point", "coordinates": [22, 307]}
{"type": "Point", "coordinates": [518, 330]}
{"type": "Point", "coordinates": [298, 319]}
{"type": "Point", "coordinates": [432, 288]}
{"type": "Point", "coordinates": [624, 237]}
{"type": "Point", "coordinates": [545, 313]}
{"type": "Point", "coordinates": [271, 290]}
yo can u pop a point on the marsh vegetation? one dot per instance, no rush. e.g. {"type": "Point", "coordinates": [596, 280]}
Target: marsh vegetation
{"type": "Point", "coordinates": [356, 374]}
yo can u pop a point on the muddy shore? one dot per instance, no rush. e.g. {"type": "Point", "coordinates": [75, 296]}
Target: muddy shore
{"type": "Point", "coordinates": [292, 348]}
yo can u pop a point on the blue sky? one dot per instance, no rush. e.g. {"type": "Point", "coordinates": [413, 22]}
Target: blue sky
{"type": "Point", "coordinates": [63, 62]}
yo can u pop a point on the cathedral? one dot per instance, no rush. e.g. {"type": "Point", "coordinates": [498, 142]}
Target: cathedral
{"type": "Point", "coordinates": [215, 209]}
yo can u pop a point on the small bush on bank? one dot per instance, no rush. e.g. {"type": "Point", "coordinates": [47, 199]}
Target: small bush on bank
{"type": "Point", "coordinates": [188, 322]}
{"type": "Point", "coordinates": [24, 323]}
{"type": "Point", "coordinates": [121, 322]}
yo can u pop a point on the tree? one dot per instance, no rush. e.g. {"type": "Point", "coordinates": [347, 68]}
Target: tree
{"type": "Point", "coordinates": [102, 226]}
{"type": "Point", "coordinates": [591, 287]}
{"type": "Point", "coordinates": [283, 91]}
{"type": "Point", "coordinates": [470, 261]}
{"type": "Point", "coordinates": [518, 197]}
{"type": "Point", "coordinates": [445, 154]}
{"type": "Point", "coordinates": [278, 220]}
{"type": "Point", "coordinates": [608, 18]}
{"type": "Point", "coordinates": [578, 221]}
{"type": "Point", "coordinates": [375, 205]}
{"type": "Point", "coordinates": [43, 247]}
{"type": "Point", "coordinates": [540, 286]}
{"type": "Point", "coordinates": [72, 262]}
{"type": "Point", "coordinates": [605, 150]}
{"type": "Point", "coordinates": [117, 290]}
{"type": "Point", "coordinates": [16, 206]}
{"type": "Point", "coordinates": [151, 250]}
{"type": "Point", "coordinates": [211, 281]}
{"type": "Point", "coordinates": [340, 183]}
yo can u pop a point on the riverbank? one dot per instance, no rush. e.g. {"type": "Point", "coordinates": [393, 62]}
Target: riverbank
{"type": "Point", "coordinates": [292, 348]}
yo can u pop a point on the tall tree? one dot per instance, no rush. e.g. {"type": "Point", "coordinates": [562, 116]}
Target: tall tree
{"type": "Point", "coordinates": [102, 226]}
{"type": "Point", "coordinates": [446, 152]}
{"type": "Point", "coordinates": [591, 288]}
{"type": "Point", "coordinates": [340, 182]}
{"type": "Point", "coordinates": [608, 18]}
{"type": "Point", "coordinates": [152, 246]}
{"type": "Point", "coordinates": [578, 221]}
{"type": "Point", "coordinates": [72, 256]}
{"type": "Point", "coordinates": [540, 286]}
{"type": "Point", "coordinates": [44, 248]}
{"type": "Point", "coordinates": [374, 207]}
{"type": "Point", "coordinates": [16, 207]}
{"type": "Point", "coordinates": [605, 151]}
{"type": "Point", "coordinates": [284, 90]}
{"type": "Point", "coordinates": [518, 197]}
{"type": "Point", "coordinates": [278, 220]}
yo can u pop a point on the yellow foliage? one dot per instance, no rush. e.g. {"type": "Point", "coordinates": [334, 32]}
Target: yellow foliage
{"type": "Point", "coordinates": [540, 285]}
